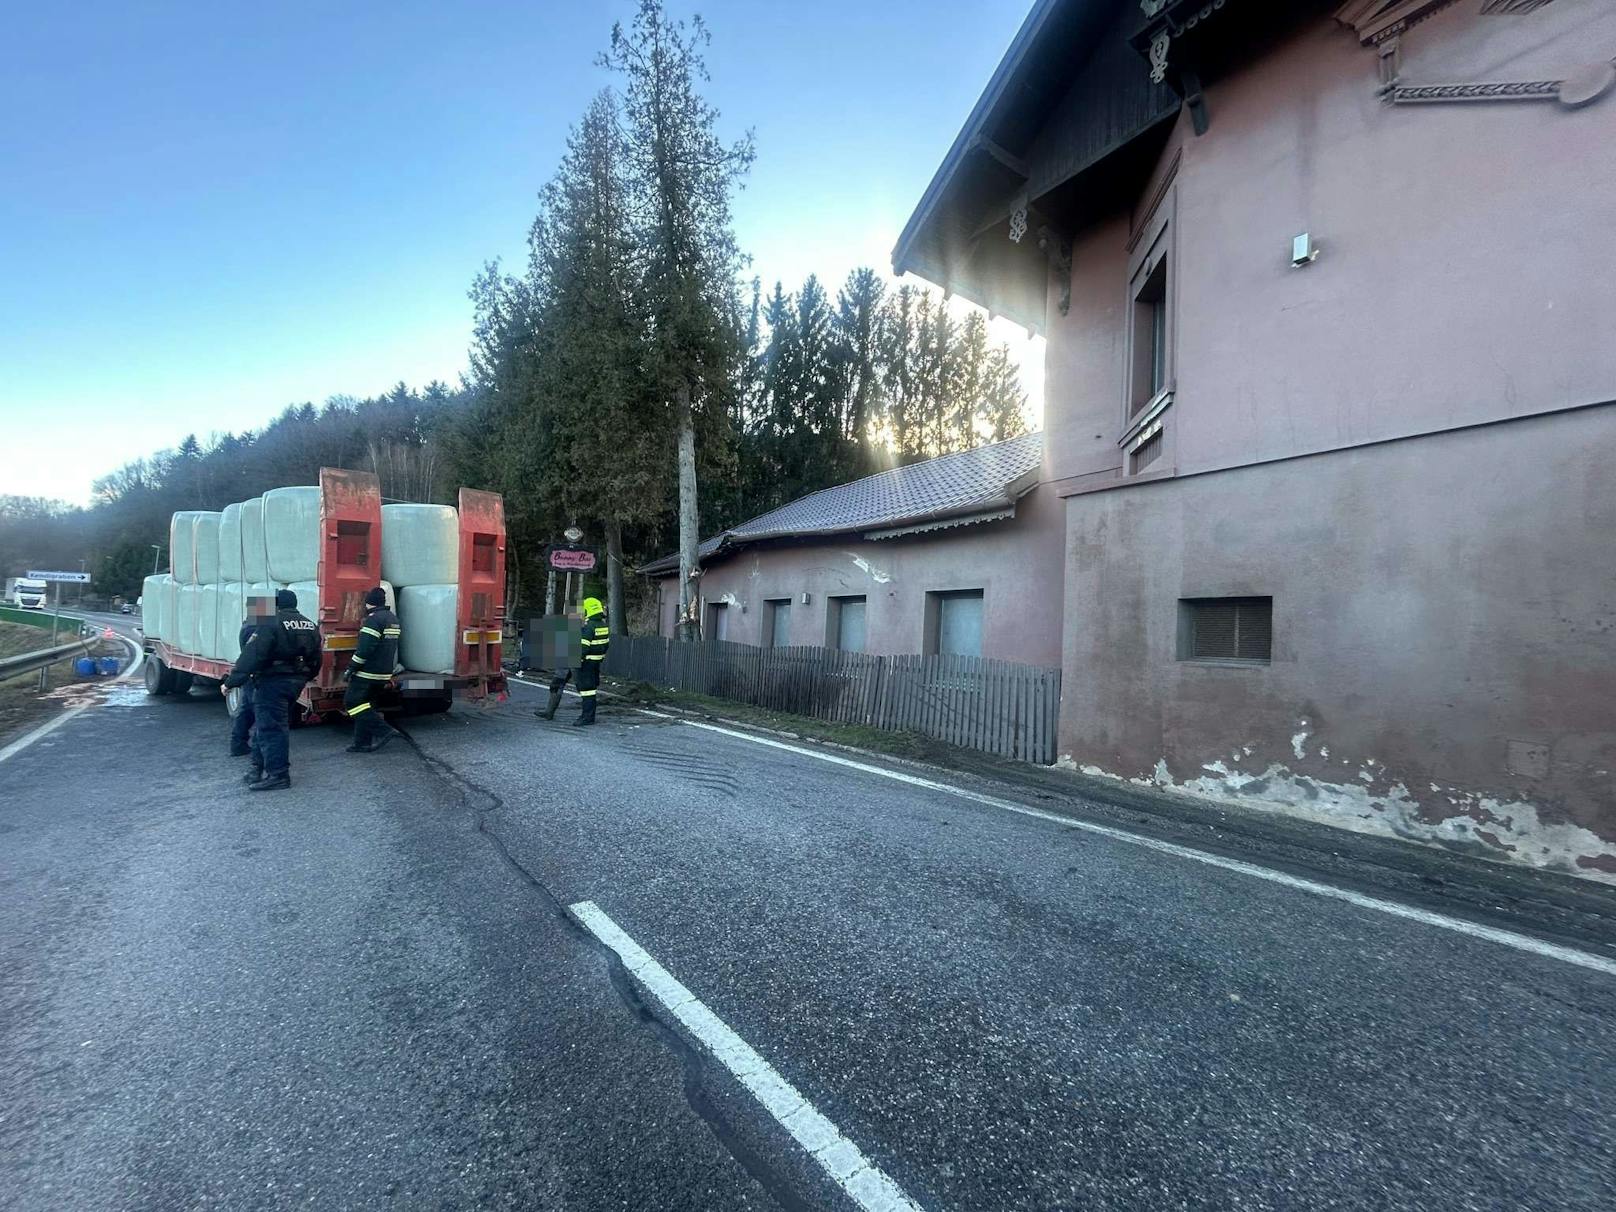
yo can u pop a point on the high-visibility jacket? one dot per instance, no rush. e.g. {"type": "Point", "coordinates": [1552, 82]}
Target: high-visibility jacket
{"type": "Point", "coordinates": [596, 639]}
{"type": "Point", "coordinates": [376, 656]}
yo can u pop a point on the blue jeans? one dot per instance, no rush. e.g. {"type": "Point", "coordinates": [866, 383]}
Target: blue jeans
{"type": "Point", "coordinates": [241, 726]}
{"type": "Point", "coordinates": [272, 708]}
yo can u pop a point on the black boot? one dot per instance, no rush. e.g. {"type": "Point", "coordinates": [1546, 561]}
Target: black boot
{"type": "Point", "coordinates": [252, 776]}
{"type": "Point", "coordinates": [240, 750]}
{"type": "Point", "coordinates": [273, 782]}
{"type": "Point", "coordinates": [549, 712]}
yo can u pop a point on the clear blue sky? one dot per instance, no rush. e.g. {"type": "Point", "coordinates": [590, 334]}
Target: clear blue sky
{"type": "Point", "coordinates": [209, 211]}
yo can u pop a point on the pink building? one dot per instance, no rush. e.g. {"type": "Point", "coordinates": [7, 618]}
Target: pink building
{"type": "Point", "coordinates": [1331, 320]}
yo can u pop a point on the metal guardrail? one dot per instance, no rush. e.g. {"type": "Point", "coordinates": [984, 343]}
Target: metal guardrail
{"type": "Point", "coordinates": [27, 662]}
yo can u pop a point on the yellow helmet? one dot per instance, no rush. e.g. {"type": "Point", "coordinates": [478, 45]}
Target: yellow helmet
{"type": "Point", "coordinates": [592, 607]}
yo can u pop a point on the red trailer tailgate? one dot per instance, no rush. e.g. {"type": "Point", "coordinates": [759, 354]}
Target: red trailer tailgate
{"type": "Point", "coordinates": [482, 587]}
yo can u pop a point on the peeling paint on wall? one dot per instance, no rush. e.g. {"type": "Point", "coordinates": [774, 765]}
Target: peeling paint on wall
{"type": "Point", "coordinates": [870, 570]}
{"type": "Point", "coordinates": [1506, 831]}
{"type": "Point", "coordinates": [1299, 742]}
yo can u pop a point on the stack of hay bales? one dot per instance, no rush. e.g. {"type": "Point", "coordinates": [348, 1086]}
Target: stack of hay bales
{"type": "Point", "coordinates": [220, 561]}
{"type": "Point", "coordinates": [421, 558]}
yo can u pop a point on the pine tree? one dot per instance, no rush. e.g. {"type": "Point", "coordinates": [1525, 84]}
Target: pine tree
{"type": "Point", "coordinates": [682, 178]}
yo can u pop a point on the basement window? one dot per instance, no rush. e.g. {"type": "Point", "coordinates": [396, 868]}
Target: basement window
{"type": "Point", "coordinates": [1230, 631]}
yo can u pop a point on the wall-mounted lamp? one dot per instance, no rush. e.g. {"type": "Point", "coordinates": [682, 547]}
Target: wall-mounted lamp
{"type": "Point", "coordinates": [1303, 251]}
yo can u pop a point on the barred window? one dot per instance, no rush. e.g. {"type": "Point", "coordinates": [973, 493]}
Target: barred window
{"type": "Point", "coordinates": [1226, 629]}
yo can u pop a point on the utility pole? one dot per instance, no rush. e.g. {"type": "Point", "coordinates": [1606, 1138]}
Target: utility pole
{"type": "Point", "coordinates": [157, 554]}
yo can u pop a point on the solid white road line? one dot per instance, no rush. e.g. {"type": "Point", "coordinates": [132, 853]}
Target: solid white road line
{"type": "Point", "coordinates": [865, 1183]}
{"type": "Point", "coordinates": [50, 726]}
{"type": "Point", "coordinates": [1504, 938]}
{"type": "Point", "coordinates": [43, 731]}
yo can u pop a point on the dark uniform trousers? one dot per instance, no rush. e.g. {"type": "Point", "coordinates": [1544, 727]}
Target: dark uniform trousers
{"type": "Point", "coordinates": [596, 637]}
{"type": "Point", "coordinates": [370, 669]}
{"type": "Point", "coordinates": [272, 698]}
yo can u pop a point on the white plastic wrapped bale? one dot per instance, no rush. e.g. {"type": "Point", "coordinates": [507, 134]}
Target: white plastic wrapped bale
{"type": "Point", "coordinates": [170, 634]}
{"type": "Point", "coordinates": [230, 544]}
{"type": "Point", "coordinates": [207, 547]}
{"type": "Point", "coordinates": [232, 613]}
{"type": "Point", "coordinates": [420, 544]}
{"type": "Point", "coordinates": [308, 598]}
{"type": "Point", "coordinates": [254, 569]}
{"type": "Point", "coordinates": [426, 614]}
{"type": "Point", "coordinates": [186, 637]}
{"type": "Point", "coordinates": [151, 606]}
{"type": "Point", "coordinates": [292, 534]}
{"type": "Point", "coordinates": [182, 546]}
{"type": "Point", "coordinates": [207, 625]}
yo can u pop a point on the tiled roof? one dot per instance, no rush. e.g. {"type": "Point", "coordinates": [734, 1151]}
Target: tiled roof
{"type": "Point", "coordinates": [985, 480]}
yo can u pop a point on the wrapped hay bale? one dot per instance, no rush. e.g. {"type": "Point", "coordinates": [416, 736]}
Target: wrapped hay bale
{"type": "Point", "coordinates": [207, 626]}
{"type": "Point", "coordinates": [308, 598]}
{"type": "Point", "coordinates": [207, 547]}
{"type": "Point", "coordinates": [420, 544]}
{"type": "Point", "coordinates": [182, 546]}
{"type": "Point", "coordinates": [230, 543]}
{"type": "Point", "coordinates": [151, 605]}
{"type": "Point", "coordinates": [232, 614]}
{"type": "Point", "coordinates": [187, 637]}
{"type": "Point", "coordinates": [292, 534]}
{"type": "Point", "coordinates": [170, 634]}
{"type": "Point", "coordinates": [254, 569]}
{"type": "Point", "coordinates": [426, 614]}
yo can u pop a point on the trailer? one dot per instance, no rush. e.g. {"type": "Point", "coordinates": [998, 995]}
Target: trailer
{"type": "Point", "coordinates": [349, 567]}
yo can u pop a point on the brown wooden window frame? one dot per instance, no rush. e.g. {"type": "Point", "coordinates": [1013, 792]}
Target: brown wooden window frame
{"type": "Point", "coordinates": [1149, 380]}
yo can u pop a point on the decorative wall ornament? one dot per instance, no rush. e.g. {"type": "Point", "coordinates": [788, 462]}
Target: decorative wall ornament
{"type": "Point", "coordinates": [1577, 89]}
{"type": "Point", "coordinates": [1018, 223]}
{"type": "Point", "coordinates": [1492, 7]}
{"type": "Point", "coordinates": [1158, 56]}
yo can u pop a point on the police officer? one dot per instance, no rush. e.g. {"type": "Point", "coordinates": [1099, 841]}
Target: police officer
{"type": "Point", "coordinates": [370, 669]}
{"type": "Point", "coordinates": [258, 609]}
{"type": "Point", "coordinates": [281, 654]}
{"type": "Point", "coordinates": [596, 639]}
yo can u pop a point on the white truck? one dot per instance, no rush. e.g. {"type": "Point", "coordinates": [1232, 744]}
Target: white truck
{"type": "Point", "coordinates": [29, 594]}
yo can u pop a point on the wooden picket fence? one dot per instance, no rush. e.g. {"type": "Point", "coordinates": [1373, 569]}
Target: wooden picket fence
{"type": "Point", "coordinates": [993, 706]}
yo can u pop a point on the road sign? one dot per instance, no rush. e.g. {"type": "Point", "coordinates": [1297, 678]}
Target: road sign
{"type": "Point", "coordinates": [77, 578]}
{"type": "Point", "coordinates": [571, 559]}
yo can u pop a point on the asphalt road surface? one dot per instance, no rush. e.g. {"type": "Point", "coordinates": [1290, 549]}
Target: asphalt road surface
{"type": "Point", "coordinates": [370, 991]}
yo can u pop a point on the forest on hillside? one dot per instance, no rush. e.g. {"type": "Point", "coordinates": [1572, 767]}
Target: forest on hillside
{"type": "Point", "coordinates": [632, 360]}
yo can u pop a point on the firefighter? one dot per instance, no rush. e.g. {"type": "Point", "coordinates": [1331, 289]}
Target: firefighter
{"type": "Point", "coordinates": [374, 661]}
{"type": "Point", "coordinates": [281, 654]}
{"type": "Point", "coordinates": [596, 638]}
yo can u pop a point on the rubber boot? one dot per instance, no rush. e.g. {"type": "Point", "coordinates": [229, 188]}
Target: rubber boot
{"type": "Point", "coordinates": [586, 713]}
{"type": "Point", "coordinates": [555, 702]}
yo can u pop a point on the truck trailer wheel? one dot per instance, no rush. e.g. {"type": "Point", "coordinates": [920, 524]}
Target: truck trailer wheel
{"type": "Point", "coordinates": [159, 677]}
{"type": "Point", "coordinates": [182, 680]}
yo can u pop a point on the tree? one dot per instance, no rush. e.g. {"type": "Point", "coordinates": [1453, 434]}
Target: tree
{"type": "Point", "coordinates": [593, 381]}
{"type": "Point", "coordinates": [681, 178]}
{"type": "Point", "coordinates": [858, 352]}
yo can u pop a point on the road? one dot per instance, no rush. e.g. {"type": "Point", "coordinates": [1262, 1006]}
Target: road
{"type": "Point", "coordinates": [371, 990]}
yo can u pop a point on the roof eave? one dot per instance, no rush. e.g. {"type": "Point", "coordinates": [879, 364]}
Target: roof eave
{"type": "Point", "coordinates": [1015, 56]}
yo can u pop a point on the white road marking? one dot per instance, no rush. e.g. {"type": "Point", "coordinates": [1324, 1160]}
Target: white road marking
{"type": "Point", "coordinates": [865, 1183]}
{"type": "Point", "coordinates": [43, 731]}
{"type": "Point", "coordinates": [1504, 938]}
{"type": "Point", "coordinates": [50, 726]}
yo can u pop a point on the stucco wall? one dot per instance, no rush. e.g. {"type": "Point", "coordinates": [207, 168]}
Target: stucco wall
{"type": "Point", "coordinates": [1461, 276]}
{"type": "Point", "coordinates": [1435, 601]}
{"type": "Point", "coordinates": [1016, 562]}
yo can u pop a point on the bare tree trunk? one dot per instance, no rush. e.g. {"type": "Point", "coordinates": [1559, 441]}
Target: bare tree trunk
{"type": "Point", "coordinates": [616, 606]}
{"type": "Point", "coordinates": [689, 535]}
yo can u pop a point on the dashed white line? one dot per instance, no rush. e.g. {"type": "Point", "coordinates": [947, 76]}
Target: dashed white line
{"type": "Point", "coordinates": [865, 1183]}
{"type": "Point", "coordinates": [1504, 938]}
